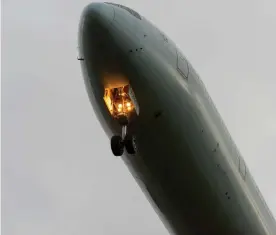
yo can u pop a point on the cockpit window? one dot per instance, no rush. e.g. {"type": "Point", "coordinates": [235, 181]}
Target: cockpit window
{"type": "Point", "coordinates": [132, 12]}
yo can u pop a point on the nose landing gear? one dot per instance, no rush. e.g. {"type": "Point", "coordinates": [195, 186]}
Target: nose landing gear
{"type": "Point", "coordinates": [127, 141]}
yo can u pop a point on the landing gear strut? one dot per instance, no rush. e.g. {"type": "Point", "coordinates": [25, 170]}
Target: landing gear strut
{"type": "Point", "coordinates": [127, 141]}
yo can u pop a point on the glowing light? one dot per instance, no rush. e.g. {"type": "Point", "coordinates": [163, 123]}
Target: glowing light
{"type": "Point", "coordinates": [128, 108]}
{"type": "Point", "coordinates": [128, 104]}
{"type": "Point", "coordinates": [120, 106]}
{"type": "Point", "coordinates": [119, 109]}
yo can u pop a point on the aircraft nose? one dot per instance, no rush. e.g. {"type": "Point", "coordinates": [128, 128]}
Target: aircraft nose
{"type": "Point", "coordinates": [100, 13]}
{"type": "Point", "coordinates": [94, 33]}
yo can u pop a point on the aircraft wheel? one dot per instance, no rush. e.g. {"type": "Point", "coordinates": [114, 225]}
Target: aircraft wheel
{"type": "Point", "coordinates": [130, 144]}
{"type": "Point", "coordinates": [117, 145]}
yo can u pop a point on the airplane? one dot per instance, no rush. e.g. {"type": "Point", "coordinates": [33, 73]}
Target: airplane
{"type": "Point", "coordinates": [159, 118]}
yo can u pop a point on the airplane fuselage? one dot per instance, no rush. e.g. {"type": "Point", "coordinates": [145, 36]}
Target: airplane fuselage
{"type": "Point", "coordinates": [186, 162]}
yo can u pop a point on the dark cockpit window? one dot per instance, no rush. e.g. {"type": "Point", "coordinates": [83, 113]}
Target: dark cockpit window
{"type": "Point", "coordinates": [132, 12]}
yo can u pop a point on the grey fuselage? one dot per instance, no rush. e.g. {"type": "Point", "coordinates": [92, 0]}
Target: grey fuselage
{"type": "Point", "coordinates": [187, 164]}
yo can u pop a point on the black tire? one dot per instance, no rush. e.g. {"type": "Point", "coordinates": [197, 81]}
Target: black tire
{"type": "Point", "coordinates": [130, 144]}
{"type": "Point", "coordinates": [117, 145]}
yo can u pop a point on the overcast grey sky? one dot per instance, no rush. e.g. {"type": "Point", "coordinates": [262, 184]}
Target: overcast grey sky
{"type": "Point", "coordinates": [58, 174]}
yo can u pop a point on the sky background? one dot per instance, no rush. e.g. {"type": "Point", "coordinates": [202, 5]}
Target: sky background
{"type": "Point", "coordinates": [59, 176]}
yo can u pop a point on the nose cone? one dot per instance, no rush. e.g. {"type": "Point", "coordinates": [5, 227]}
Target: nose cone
{"type": "Point", "coordinates": [100, 13]}
{"type": "Point", "coordinates": [94, 30]}
{"type": "Point", "coordinates": [96, 18]}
